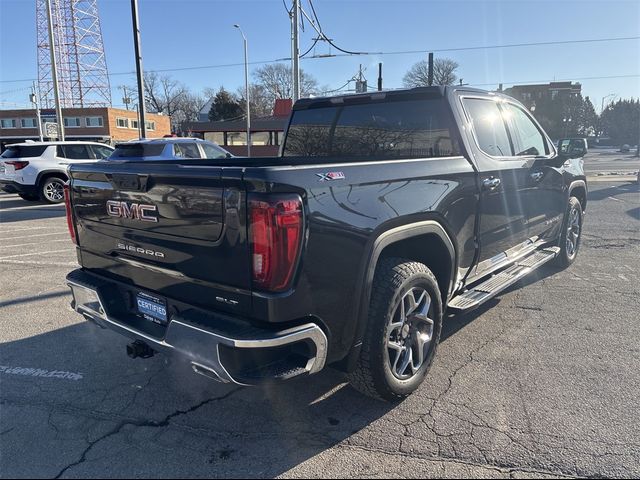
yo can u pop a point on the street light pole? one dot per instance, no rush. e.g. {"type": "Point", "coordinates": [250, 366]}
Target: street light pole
{"type": "Point", "coordinates": [603, 99]}
{"type": "Point", "coordinates": [246, 86]}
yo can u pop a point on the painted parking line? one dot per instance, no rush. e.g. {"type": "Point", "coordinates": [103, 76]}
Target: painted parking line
{"type": "Point", "coordinates": [37, 235]}
{"type": "Point", "coordinates": [4, 230]}
{"type": "Point", "coordinates": [35, 243]}
{"type": "Point", "coordinates": [40, 372]}
{"type": "Point", "coordinates": [35, 253]}
{"type": "Point", "coordinates": [40, 264]}
{"type": "Point", "coordinates": [53, 206]}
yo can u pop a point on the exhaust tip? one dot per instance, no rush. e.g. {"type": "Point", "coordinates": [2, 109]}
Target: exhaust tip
{"type": "Point", "coordinates": [139, 349]}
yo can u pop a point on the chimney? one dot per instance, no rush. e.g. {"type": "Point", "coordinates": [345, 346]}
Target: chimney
{"type": "Point", "coordinates": [282, 108]}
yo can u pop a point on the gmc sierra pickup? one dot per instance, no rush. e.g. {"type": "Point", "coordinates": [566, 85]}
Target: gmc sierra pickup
{"type": "Point", "coordinates": [382, 212]}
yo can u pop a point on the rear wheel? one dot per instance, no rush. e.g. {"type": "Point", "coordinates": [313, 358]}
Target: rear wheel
{"type": "Point", "coordinates": [571, 234]}
{"type": "Point", "coordinates": [52, 190]}
{"type": "Point", "coordinates": [29, 197]}
{"type": "Point", "coordinates": [405, 320]}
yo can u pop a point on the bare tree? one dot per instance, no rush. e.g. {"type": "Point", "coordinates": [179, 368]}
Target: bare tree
{"type": "Point", "coordinates": [163, 94]}
{"type": "Point", "coordinates": [277, 82]}
{"type": "Point", "coordinates": [261, 103]}
{"type": "Point", "coordinates": [190, 105]}
{"type": "Point", "coordinates": [443, 73]}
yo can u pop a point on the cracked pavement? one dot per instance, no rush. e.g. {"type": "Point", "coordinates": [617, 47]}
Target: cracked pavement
{"type": "Point", "coordinates": [540, 382]}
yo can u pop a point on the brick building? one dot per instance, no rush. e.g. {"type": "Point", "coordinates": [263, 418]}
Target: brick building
{"type": "Point", "coordinates": [530, 94]}
{"type": "Point", "coordinates": [108, 125]}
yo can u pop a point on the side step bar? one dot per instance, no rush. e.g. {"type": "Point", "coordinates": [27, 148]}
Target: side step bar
{"type": "Point", "coordinates": [497, 283]}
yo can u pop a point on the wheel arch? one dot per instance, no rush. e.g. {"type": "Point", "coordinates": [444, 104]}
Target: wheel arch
{"type": "Point", "coordinates": [43, 175]}
{"type": "Point", "coordinates": [426, 242]}
{"type": "Point", "coordinates": [578, 189]}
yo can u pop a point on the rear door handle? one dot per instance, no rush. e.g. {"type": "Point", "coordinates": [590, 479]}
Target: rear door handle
{"type": "Point", "coordinates": [490, 183]}
{"type": "Point", "coordinates": [537, 176]}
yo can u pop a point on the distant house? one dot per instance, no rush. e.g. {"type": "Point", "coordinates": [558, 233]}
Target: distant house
{"type": "Point", "coordinates": [266, 132]}
{"type": "Point", "coordinates": [203, 114]}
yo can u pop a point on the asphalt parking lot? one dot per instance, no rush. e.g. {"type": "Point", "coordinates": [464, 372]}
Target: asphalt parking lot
{"type": "Point", "coordinates": [545, 380]}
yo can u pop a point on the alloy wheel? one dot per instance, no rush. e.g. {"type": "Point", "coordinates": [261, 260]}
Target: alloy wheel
{"type": "Point", "coordinates": [54, 191]}
{"type": "Point", "coordinates": [409, 333]}
{"type": "Point", "coordinates": [573, 232]}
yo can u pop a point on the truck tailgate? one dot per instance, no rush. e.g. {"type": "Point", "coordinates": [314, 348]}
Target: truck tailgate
{"type": "Point", "coordinates": [176, 230]}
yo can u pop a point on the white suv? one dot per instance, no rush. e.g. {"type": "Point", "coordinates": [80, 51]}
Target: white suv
{"type": "Point", "coordinates": [38, 170]}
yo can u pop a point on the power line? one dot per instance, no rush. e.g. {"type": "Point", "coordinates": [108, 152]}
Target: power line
{"type": "Point", "coordinates": [327, 39]}
{"type": "Point", "coordinates": [606, 77]}
{"type": "Point", "coordinates": [402, 52]}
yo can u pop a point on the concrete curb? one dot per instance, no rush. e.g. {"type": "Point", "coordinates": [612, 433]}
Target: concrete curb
{"type": "Point", "coordinates": [612, 178]}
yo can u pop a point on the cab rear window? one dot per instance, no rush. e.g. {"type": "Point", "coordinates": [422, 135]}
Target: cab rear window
{"type": "Point", "coordinates": [385, 130]}
{"type": "Point", "coordinates": [24, 151]}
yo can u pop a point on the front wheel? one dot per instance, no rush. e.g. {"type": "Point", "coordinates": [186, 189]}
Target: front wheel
{"type": "Point", "coordinates": [571, 234]}
{"type": "Point", "coordinates": [405, 320]}
{"type": "Point", "coordinates": [52, 190]}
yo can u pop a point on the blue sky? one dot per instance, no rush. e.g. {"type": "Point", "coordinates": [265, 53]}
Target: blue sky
{"type": "Point", "coordinates": [192, 33]}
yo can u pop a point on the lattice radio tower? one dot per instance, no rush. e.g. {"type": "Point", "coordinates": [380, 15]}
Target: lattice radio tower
{"type": "Point", "coordinates": [82, 68]}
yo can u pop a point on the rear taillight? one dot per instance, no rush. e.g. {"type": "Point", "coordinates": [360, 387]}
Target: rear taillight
{"type": "Point", "coordinates": [67, 207]}
{"type": "Point", "coordinates": [17, 164]}
{"type": "Point", "coordinates": [275, 233]}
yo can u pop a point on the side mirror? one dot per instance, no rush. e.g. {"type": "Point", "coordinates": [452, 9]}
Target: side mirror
{"type": "Point", "coordinates": [572, 147]}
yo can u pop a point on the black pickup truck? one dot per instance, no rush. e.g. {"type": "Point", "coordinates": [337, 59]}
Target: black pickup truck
{"type": "Point", "coordinates": [382, 212]}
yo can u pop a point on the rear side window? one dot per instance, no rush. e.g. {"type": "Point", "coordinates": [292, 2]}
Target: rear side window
{"type": "Point", "coordinates": [186, 150]}
{"type": "Point", "coordinates": [24, 151]}
{"type": "Point", "coordinates": [391, 129]}
{"type": "Point", "coordinates": [489, 126]}
{"type": "Point", "coordinates": [74, 152]}
{"type": "Point", "coordinates": [137, 150]}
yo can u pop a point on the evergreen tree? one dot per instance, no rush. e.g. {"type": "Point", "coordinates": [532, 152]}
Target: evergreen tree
{"type": "Point", "coordinates": [225, 106]}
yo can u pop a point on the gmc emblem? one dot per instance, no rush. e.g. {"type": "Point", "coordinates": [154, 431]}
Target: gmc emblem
{"type": "Point", "coordinates": [133, 211]}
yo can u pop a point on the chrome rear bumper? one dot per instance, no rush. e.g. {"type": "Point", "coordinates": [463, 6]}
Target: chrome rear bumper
{"type": "Point", "coordinates": [202, 345]}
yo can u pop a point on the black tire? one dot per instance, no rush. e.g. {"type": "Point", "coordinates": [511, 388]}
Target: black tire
{"type": "Point", "coordinates": [29, 197]}
{"type": "Point", "coordinates": [571, 234]}
{"type": "Point", "coordinates": [51, 190]}
{"type": "Point", "coordinates": [395, 279]}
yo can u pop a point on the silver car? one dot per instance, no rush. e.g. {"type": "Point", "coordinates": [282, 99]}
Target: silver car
{"type": "Point", "coordinates": [174, 148]}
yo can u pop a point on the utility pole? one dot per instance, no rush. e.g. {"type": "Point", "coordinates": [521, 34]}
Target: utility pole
{"type": "Point", "coordinates": [125, 98]}
{"type": "Point", "coordinates": [54, 72]}
{"type": "Point", "coordinates": [295, 49]}
{"type": "Point", "coordinates": [136, 42]}
{"type": "Point", "coordinates": [34, 99]}
{"type": "Point", "coordinates": [361, 82]}
{"type": "Point", "coordinates": [430, 73]}
{"type": "Point", "coordinates": [380, 76]}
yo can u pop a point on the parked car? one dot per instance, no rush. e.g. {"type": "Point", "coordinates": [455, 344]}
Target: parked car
{"type": "Point", "coordinates": [38, 170]}
{"type": "Point", "coordinates": [169, 148]}
{"type": "Point", "coordinates": [383, 211]}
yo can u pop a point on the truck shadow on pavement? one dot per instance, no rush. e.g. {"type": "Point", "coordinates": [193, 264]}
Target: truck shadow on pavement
{"type": "Point", "coordinates": [139, 410]}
